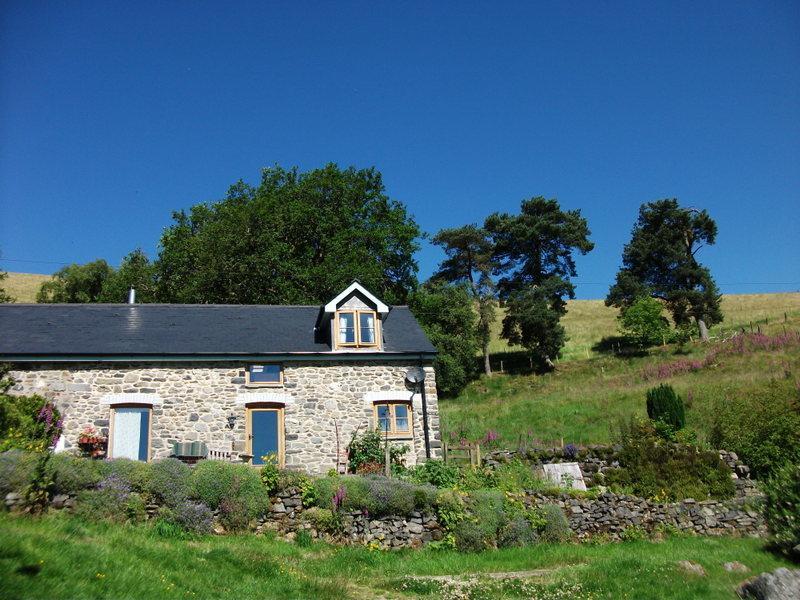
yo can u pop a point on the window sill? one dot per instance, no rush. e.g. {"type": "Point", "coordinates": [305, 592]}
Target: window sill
{"type": "Point", "coordinates": [263, 385]}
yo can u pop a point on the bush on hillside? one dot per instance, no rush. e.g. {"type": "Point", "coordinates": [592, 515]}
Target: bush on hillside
{"type": "Point", "coordinates": [369, 449]}
{"type": "Point", "coordinates": [555, 527]}
{"type": "Point", "coordinates": [665, 406]}
{"type": "Point", "coordinates": [434, 472]}
{"type": "Point", "coordinates": [517, 533]}
{"type": "Point", "coordinates": [643, 323]}
{"type": "Point", "coordinates": [761, 424]}
{"type": "Point", "coordinates": [112, 500]}
{"type": "Point", "coordinates": [71, 474]}
{"type": "Point", "coordinates": [135, 473]}
{"type": "Point", "coordinates": [654, 468]}
{"type": "Point", "coordinates": [169, 481]}
{"type": "Point", "coordinates": [189, 516]}
{"type": "Point", "coordinates": [782, 507]}
{"type": "Point", "coordinates": [374, 495]}
{"type": "Point", "coordinates": [29, 423]}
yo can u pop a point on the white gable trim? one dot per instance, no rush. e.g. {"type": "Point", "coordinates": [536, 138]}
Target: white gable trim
{"type": "Point", "coordinates": [385, 395]}
{"type": "Point", "coordinates": [134, 398]}
{"type": "Point", "coordinates": [274, 397]}
{"type": "Point", "coordinates": [330, 307]}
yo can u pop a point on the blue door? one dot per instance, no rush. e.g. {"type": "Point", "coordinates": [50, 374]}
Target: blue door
{"type": "Point", "coordinates": [264, 434]}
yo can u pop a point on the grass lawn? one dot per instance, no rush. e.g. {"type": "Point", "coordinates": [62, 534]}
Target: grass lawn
{"type": "Point", "coordinates": [59, 556]}
{"type": "Point", "coordinates": [583, 400]}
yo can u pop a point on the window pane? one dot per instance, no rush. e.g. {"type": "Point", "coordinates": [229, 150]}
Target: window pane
{"type": "Point", "coordinates": [265, 373]}
{"type": "Point", "coordinates": [131, 428]}
{"type": "Point", "coordinates": [401, 417]}
{"type": "Point", "coordinates": [347, 328]}
{"type": "Point", "coordinates": [367, 327]}
{"type": "Point", "coordinates": [383, 417]}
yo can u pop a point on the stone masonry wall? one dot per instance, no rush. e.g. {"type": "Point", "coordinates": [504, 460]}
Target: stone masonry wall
{"type": "Point", "coordinates": [196, 399]}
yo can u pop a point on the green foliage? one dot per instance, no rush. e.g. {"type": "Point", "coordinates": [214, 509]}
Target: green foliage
{"type": "Point", "coordinates": [434, 472]}
{"type": "Point", "coordinates": [556, 526]}
{"type": "Point", "coordinates": [190, 517]}
{"type": "Point", "coordinates": [369, 447]}
{"type": "Point", "coordinates": [76, 283]}
{"type": "Point", "coordinates": [446, 314]}
{"type": "Point", "coordinates": [136, 271]}
{"type": "Point", "coordinates": [30, 423]}
{"type": "Point", "coordinates": [374, 494]}
{"type": "Point", "coordinates": [516, 533]}
{"type": "Point", "coordinates": [664, 405]}
{"type": "Point", "coordinates": [234, 489]}
{"type": "Point", "coordinates": [169, 481]}
{"type": "Point", "coordinates": [71, 474]}
{"type": "Point", "coordinates": [470, 260]}
{"type": "Point", "coordinates": [633, 534]}
{"type": "Point", "coordinates": [761, 423]}
{"type": "Point", "coordinates": [643, 323]}
{"type": "Point", "coordinates": [534, 255]}
{"type": "Point", "coordinates": [660, 262]}
{"type": "Point", "coordinates": [782, 507]}
{"type": "Point", "coordinates": [654, 468]}
{"type": "Point", "coordinates": [16, 470]}
{"type": "Point", "coordinates": [112, 501]}
{"type": "Point", "coordinates": [4, 296]}
{"type": "Point", "coordinates": [303, 539]}
{"type": "Point", "coordinates": [296, 238]}
{"type": "Point", "coordinates": [322, 519]}
{"type": "Point", "coordinates": [270, 474]}
{"type": "Point", "coordinates": [137, 474]}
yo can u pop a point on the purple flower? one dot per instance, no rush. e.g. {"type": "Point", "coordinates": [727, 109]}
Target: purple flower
{"type": "Point", "coordinates": [338, 498]}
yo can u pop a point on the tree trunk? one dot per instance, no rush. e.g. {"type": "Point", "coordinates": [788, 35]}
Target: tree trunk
{"type": "Point", "coordinates": [701, 325]}
{"type": "Point", "coordinates": [487, 366]}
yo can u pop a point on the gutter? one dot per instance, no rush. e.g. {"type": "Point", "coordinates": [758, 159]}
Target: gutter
{"type": "Point", "coordinates": [286, 357]}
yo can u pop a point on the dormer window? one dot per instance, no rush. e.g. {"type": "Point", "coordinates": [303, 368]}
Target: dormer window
{"type": "Point", "coordinates": [356, 328]}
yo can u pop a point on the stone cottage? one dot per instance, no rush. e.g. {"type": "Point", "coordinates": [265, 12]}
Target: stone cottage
{"type": "Point", "coordinates": [247, 381]}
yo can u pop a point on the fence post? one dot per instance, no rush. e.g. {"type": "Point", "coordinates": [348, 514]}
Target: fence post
{"type": "Point", "coordinates": [444, 451]}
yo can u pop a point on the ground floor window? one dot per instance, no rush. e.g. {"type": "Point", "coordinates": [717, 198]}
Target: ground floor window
{"type": "Point", "coordinates": [265, 433]}
{"type": "Point", "coordinates": [393, 418]}
{"type": "Point", "coordinates": [129, 432]}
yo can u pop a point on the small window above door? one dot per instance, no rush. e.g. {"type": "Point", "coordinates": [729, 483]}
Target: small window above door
{"type": "Point", "coordinates": [266, 374]}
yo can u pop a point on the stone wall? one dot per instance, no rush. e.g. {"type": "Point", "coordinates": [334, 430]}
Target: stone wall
{"type": "Point", "coordinates": [611, 514]}
{"type": "Point", "coordinates": [196, 399]}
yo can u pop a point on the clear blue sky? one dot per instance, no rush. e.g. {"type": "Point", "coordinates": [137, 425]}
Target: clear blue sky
{"type": "Point", "coordinates": [113, 114]}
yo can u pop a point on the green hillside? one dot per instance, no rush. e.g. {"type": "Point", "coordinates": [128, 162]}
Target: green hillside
{"type": "Point", "coordinates": [23, 286]}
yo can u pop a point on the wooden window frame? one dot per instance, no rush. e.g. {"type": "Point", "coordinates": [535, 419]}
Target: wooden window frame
{"type": "Point", "coordinates": [393, 431]}
{"type": "Point", "coordinates": [249, 383]}
{"type": "Point", "coordinates": [248, 431]}
{"type": "Point", "coordinates": [110, 443]}
{"type": "Point", "coordinates": [357, 326]}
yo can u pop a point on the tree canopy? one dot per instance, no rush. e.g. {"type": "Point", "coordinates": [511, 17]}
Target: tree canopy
{"type": "Point", "coordinates": [534, 256]}
{"type": "Point", "coordinates": [297, 238]}
{"type": "Point", "coordinates": [660, 262]}
{"type": "Point", "coordinates": [76, 283]}
{"type": "Point", "coordinates": [469, 253]}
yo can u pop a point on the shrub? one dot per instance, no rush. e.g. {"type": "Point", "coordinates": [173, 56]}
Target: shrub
{"type": "Point", "coordinates": [479, 529]}
{"type": "Point", "coordinates": [654, 468]}
{"type": "Point", "coordinates": [72, 474]}
{"type": "Point", "coordinates": [270, 474]}
{"type": "Point", "coordinates": [322, 519]}
{"type": "Point", "coordinates": [556, 526]}
{"type": "Point", "coordinates": [516, 533]}
{"type": "Point", "coordinates": [375, 495]}
{"type": "Point", "coordinates": [664, 405]}
{"type": "Point", "coordinates": [369, 448]}
{"type": "Point", "coordinates": [434, 472]}
{"type": "Point", "coordinates": [514, 476]}
{"type": "Point", "coordinates": [112, 500]}
{"type": "Point", "coordinates": [136, 473]}
{"type": "Point", "coordinates": [470, 536]}
{"type": "Point", "coordinates": [761, 424]}
{"type": "Point", "coordinates": [643, 323]}
{"type": "Point", "coordinates": [16, 470]}
{"type": "Point", "coordinates": [191, 517]}
{"type": "Point", "coordinates": [235, 490]}
{"type": "Point", "coordinates": [303, 539]}
{"type": "Point", "coordinates": [30, 423]}
{"type": "Point", "coordinates": [782, 507]}
{"type": "Point", "coordinates": [169, 481]}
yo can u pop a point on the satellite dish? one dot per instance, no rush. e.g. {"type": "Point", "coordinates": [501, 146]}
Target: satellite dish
{"type": "Point", "coordinates": [415, 375]}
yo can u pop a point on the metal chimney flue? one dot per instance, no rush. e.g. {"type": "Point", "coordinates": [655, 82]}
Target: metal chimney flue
{"type": "Point", "coordinates": [132, 296]}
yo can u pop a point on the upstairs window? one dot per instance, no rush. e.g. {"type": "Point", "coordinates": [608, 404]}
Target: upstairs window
{"type": "Point", "coordinates": [356, 328]}
{"type": "Point", "coordinates": [393, 418]}
{"type": "Point", "coordinates": [271, 374]}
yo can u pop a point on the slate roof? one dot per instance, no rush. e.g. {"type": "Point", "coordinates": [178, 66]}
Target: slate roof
{"type": "Point", "coordinates": [185, 330]}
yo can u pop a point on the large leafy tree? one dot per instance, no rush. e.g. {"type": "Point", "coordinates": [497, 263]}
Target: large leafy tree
{"type": "Point", "coordinates": [76, 283]}
{"type": "Point", "coordinates": [470, 260]}
{"type": "Point", "coordinates": [534, 251]}
{"type": "Point", "coordinates": [136, 271]}
{"type": "Point", "coordinates": [660, 262]}
{"type": "Point", "coordinates": [446, 314]}
{"type": "Point", "coordinates": [295, 238]}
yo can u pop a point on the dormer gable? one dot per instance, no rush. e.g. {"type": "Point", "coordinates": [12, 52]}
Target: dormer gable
{"type": "Point", "coordinates": [355, 319]}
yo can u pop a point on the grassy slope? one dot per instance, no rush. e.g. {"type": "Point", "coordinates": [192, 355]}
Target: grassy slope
{"type": "Point", "coordinates": [588, 321]}
{"type": "Point", "coordinates": [23, 286]}
{"type": "Point", "coordinates": [583, 399]}
{"type": "Point", "coordinates": [60, 557]}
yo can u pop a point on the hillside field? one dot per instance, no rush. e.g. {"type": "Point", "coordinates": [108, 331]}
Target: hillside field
{"type": "Point", "coordinates": [23, 286]}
